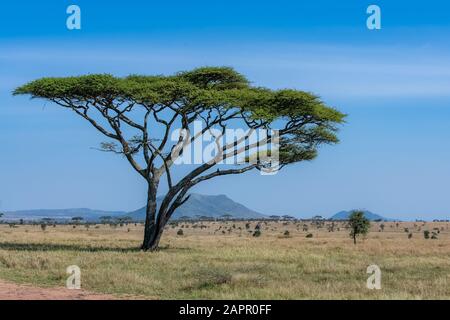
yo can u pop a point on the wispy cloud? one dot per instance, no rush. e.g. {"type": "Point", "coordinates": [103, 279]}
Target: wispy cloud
{"type": "Point", "coordinates": [331, 70]}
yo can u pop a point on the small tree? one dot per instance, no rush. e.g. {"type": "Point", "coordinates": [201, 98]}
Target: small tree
{"type": "Point", "coordinates": [124, 220]}
{"type": "Point", "coordinates": [105, 219]}
{"type": "Point", "coordinates": [257, 233]}
{"type": "Point", "coordinates": [77, 220]}
{"type": "Point", "coordinates": [226, 216]}
{"type": "Point", "coordinates": [359, 224]}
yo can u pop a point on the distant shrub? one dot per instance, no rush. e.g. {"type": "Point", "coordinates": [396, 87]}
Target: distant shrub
{"type": "Point", "coordinates": [426, 234]}
{"type": "Point", "coordinates": [286, 234]}
{"type": "Point", "coordinates": [434, 236]}
{"type": "Point", "coordinates": [410, 235]}
{"type": "Point", "coordinates": [180, 232]}
{"type": "Point", "coordinates": [43, 226]}
{"type": "Point", "coordinates": [247, 225]}
{"type": "Point", "coordinates": [309, 235]}
{"type": "Point", "coordinates": [257, 233]}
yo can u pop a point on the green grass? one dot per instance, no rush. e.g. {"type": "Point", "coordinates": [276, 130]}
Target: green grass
{"type": "Point", "coordinates": [204, 265]}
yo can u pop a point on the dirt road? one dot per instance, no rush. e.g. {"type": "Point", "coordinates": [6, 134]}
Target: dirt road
{"type": "Point", "coordinates": [11, 291]}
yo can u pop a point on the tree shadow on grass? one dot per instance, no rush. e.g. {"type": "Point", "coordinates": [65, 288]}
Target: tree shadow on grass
{"type": "Point", "coordinates": [13, 246]}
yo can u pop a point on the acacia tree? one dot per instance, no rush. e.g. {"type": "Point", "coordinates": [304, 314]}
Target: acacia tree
{"type": "Point", "coordinates": [140, 113]}
{"type": "Point", "coordinates": [359, 224]}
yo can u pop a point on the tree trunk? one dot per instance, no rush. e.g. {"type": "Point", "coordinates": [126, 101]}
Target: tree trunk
{"type": "Point", "coordinates": [150, 229]}
{"type": "Point", "coordinates": [354, 238]}
{"type": "Point", "coordinates": [154, 225]}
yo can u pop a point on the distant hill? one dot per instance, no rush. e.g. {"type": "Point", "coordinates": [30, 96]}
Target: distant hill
{"type": "Point", "coordinates": [60, 214]}
{"type": "Point", "coordinates": [208, 206]}
{"type": "Point", "coordinates": [344, 215]}
{"type": "Point", "coordinates": [197, 205]}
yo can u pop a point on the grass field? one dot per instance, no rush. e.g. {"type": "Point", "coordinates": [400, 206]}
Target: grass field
{"type": "Point", "coordinates": [222, 260]}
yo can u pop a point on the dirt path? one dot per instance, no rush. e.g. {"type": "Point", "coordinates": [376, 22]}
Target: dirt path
{"type": "Point", "coordinates": [12, 291]}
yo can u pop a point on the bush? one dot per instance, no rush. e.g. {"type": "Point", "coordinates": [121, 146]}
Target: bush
{"type": "Point", "coordinates": [426, 234]}
{"type": "Point", "coordinates": [257, 233]}
{"type": "Point", "coordinates": [410, 235]}
{"type": "Point", "coordinates": [309, 235]}
{"type": "Point", "coordinates": [286, 234]}
{"type": "Point", "coordinates": [180, 232]}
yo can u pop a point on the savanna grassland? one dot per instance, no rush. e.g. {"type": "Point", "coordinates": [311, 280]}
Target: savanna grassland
{"type": "Point", "coordinates": [223, 260]}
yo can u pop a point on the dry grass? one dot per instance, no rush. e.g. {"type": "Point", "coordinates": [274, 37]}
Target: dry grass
{"type": "Point", "coordinates": [206, 263]}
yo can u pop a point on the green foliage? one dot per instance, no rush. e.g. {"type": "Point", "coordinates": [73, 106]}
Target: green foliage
{"type": "Point", "coordinates": [257, 233]}
{"type": "Point", "coordinates": [359, 224]}
{"type": "Point", "coordinates": [180, 232]}
{"type": "Point", "coordinates": [208, 87]}
{"type": "Point", "coordinates": [218, 78]}
{"type": "Point", "coordinates": [309, 235]}
{"type": "Point", "coordinates": [426, 234]}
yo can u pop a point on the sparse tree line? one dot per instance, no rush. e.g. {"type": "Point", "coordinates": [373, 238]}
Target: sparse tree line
{"type": "Point", "coordinates": [357, 225]}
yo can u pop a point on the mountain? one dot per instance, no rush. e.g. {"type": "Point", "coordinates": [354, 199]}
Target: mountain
{"type": "Point", "coordinates": [344, 215]}
{"type": "Point", "coordinates": [60, 214]}
{"type": "Point", "coordinates": [197, 205]}
{"type": "Point", "coordinates": [208, 206]}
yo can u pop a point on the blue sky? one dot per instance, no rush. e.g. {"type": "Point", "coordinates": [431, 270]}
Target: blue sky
{"type": "Point", "coordinates": [394, 83]}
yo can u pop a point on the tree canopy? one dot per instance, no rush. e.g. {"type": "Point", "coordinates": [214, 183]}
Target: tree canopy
{"type": "Point", "coordinates": [201, 90]}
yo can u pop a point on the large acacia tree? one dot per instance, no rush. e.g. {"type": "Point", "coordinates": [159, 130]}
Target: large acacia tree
{"type": "Point", "coordinates": [138, 115]}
